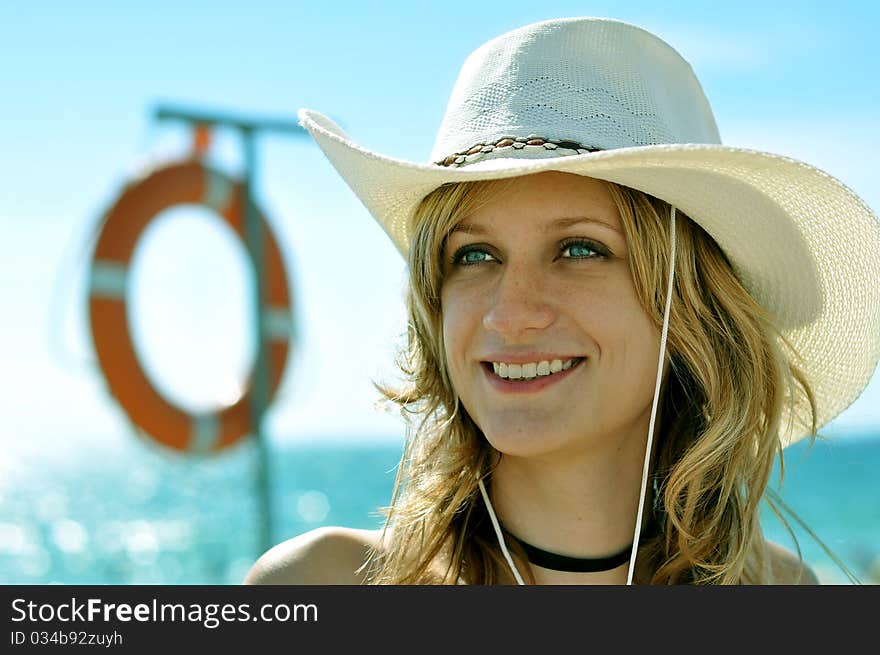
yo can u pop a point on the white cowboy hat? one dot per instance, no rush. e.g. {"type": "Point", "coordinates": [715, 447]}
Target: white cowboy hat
{"type": "Point", "coordinates": [609, 100]}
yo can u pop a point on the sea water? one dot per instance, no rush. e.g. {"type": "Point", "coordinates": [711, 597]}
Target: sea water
{"type": "Point", "coordinates": [125, 511]}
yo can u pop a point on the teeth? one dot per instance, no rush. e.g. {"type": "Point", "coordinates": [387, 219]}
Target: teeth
{"type": "Point", "coordinates": [532, 369]}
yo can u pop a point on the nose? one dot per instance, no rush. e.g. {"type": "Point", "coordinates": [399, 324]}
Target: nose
{"type": "Point", "coordinates": [520, 302]}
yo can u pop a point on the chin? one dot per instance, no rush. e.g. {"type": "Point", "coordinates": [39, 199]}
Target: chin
{"type": "Point", "coordinates": [526, 443]}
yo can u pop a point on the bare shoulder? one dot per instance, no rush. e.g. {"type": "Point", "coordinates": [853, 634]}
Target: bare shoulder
{"type": "Point", "coordinates": [323, 556]}
{"type": "Point", "coordinates": [787, 568]}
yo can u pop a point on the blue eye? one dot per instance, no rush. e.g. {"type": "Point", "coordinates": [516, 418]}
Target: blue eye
{"type": "Point", "coordinates": [470, 255]}
{"type": "Point", "coordinates": [579, 249]}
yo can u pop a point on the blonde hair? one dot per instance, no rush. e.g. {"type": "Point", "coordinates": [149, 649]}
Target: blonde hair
{"type": "Point", "coordinates": [731, 377]}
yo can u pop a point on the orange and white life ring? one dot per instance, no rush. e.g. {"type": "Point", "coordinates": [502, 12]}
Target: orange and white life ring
{"type": "Point", "coordinates": [188, 182]}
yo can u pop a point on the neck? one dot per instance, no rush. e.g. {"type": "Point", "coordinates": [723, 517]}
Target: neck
{"type": "Point", "coordinates": [578, 506]}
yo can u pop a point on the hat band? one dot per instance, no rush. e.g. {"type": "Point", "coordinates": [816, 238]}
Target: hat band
{"type": "Point", "coordinates": [529, 143]}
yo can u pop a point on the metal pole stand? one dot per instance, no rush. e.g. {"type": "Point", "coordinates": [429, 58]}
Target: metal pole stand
{"type": "Point", "coordinates": [248, 129]}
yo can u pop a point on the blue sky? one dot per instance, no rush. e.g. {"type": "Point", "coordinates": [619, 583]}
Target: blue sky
{"type": "Point", "coordinates": [79, 83]}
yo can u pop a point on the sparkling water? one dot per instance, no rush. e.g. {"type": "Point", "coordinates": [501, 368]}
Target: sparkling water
{"type": "Point", "coordinates": [129, 512]}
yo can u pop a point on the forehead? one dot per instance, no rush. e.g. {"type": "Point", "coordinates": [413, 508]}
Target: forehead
{"type": "Point", "coordinates": [545, 202]}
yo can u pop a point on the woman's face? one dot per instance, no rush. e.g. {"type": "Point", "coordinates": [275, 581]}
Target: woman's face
{"type": "Point", "coordinates": [546, 342]}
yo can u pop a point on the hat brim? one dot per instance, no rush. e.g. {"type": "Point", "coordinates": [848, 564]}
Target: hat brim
{"type": "Point", "coordinates": [803, 244]}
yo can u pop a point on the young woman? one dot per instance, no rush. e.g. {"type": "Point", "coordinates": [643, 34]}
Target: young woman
{"type": "Point", "coordinates": [616, 324]}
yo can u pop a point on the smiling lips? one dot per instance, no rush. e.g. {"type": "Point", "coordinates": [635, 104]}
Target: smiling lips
{"type": "Point", "coordinates": [530, 376]}
{"type": "Point", "coordinates": [532, 369]}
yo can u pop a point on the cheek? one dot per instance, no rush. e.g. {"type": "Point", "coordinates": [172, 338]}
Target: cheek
{"type": "Point", "coordinates": [640, 347]}
{"type": "Point", "coordinates": [621, 326]}
{"type": "Point", "coordinates": [458, 319]}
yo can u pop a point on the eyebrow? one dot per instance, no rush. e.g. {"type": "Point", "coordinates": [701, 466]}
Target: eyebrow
{"type": "Point", "coordinates": [554, 225]}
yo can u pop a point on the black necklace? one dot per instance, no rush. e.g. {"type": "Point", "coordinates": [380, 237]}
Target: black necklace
{"type": "Point", "coordinates": [557, 562]}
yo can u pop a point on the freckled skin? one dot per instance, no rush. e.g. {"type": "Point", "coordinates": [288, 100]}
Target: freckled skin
{"type": "Point", "coordinates": [527, 291]}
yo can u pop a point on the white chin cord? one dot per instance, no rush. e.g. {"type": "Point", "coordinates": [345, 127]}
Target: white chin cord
{"type": "Point", "coordinates": [647, 463]}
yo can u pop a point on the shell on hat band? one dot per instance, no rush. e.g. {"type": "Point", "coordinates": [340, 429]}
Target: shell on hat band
{"type": "Point", "coordinates": [524, 143]}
